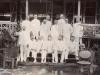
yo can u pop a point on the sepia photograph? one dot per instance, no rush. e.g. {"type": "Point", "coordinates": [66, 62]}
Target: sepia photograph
{"type": "Point", "coordinates": [49, 37]}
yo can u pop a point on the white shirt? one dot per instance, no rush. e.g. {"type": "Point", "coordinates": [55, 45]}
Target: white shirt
{"type": "Point", "coordinates": [35, 26]}
{"type": "Point", "coordinates": [54, 32]}
{"type": "Point", "coordinates": [46, 27]}
{"type": "Point", "coordinates": [26, 24]}
{"type": "Point", "coordinates": [67, 31]}
{"type": "Point", "coordinates": [44, 32]}
{"type": "Point", "coordinates": [55, 37]}
{"type": "Point", "coordinates": [61, 23]}
{"type": "Point", "coordinates": [49, 23]}
{"type": "Point", "coordinates": [77, 30]}
{"type": "Point", "coordinates": [24, 37]}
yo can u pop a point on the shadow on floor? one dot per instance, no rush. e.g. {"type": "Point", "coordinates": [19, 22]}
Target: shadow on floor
{"type": "Point", "coordinates": [97, 71]}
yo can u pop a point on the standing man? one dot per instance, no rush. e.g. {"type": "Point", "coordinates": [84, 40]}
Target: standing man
{"type": "Point", "coordinates": [48, 29]}
{"type": "Point", "coordinates": [44, 39]}
{"type": "Point", "coordinates": [67, 31]}
{"type": "Point", "coordinates": [24, 40]}
{"type": "Point", "coordinates": [48, 22]}
{"type": "Point", "coordinates": [35, 27]}
{"type": "Point", "coordinates": [61, 23]}
{"type": "Point", "coordinates": [44, 33]}
{"type": "Point", "coordinates": [55, 41]}
{"type": "Point", "coordinates": [78, 33]}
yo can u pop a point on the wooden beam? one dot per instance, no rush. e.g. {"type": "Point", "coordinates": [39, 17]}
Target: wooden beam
{"type": "Point", "coordinates": [52, 8]}
{"type": "Point", "coordinates": [18, 11]}
{"type": "Point", "coordinates": [64, 2]}
{"type": "Point", "coordinates": [26, 9]}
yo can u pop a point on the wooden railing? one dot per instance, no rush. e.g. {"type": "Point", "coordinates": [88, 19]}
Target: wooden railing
{"type": "Point", "coordinates": [91, 30]}
{"type": "Point", "coordinates": [9, 26]}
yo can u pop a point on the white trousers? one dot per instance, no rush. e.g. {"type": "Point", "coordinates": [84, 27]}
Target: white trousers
{"type": "Point", "coordinates": [78, 41]}
{"type": "Point", "coordinates": [64, 55]}
{"type": "Point", "coordinates": [55, 57]}
{"type": "Point", "coordinates": [24, 53]}
{"type": "Point", "coordinates": [43, 56]}
{"type": "Point", "coordinates": [34, 54]}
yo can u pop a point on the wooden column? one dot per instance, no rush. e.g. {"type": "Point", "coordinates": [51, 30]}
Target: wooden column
{"type": "Point", "coordinates": [26, 9]}
{"type": "Point", "coordinates": [84, 11]}
{"type": "Point", "coordinates": [64, 6]}
{"type": "Point", "coordinates": [79, 10]}
{"type": "Point", "coordinates": [52, 8]}
{"type": "Point", "coordinates": [46, 7]}
{"type": "Point", "coordinates": [18, 11]}
{"type": "Point", "coordinates": [96, 21]}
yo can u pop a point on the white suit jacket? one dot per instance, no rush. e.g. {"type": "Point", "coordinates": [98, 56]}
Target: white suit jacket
{"type": "Point", "coordinates": [26, 24]}
{"type": "Point", "coordinates": [61, 24]}
{"type": "Point", "coordinates": [67, 31]}
{"type": "Point", "coordinates": [35, 26]}
{"type": "Point", "coordinates": [77, 30]}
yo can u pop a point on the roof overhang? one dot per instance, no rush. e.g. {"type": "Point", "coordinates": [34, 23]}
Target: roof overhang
{"type": "Point", "coordinates": [39, 0]}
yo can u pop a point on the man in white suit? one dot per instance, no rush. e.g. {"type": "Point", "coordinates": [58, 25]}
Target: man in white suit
{"type": "Point", "coordinates": [35, 27]}
{"type": "Point", "coordinates": [77, 33]}
{"type": "Point", "coordinates": [55, 41]}
{"type": "Point", "coordinates": [61, 23]}
{"type": "Point", "coordinates": [67, 31]}
{"type": "Point", "coordinates": [44, 39]}
{"type": "Point", "coordinates": [24, 40]}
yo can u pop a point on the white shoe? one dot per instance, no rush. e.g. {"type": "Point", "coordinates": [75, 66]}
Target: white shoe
{"type": "Point", "coordinates": [77, 58]}
{"type": "Point", "coordinates": [34, 60]}
{"type": "Point", "coordinates": [61, 62]}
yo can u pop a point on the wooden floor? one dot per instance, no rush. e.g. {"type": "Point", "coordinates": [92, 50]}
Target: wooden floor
{"type": "Point", "coordinates": [30, 68]}
{"type": "Point", "coordinates": [37, 70]}
{"type": "Point", "coordinates": [69, 62]}
{"type": "Point", "coordinates": [58, 65]}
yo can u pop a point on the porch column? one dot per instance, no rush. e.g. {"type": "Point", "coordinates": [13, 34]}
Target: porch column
{"type": "Point", "coordinates": [26, 9]}
{"type": "Point", "coordinates": [64, 2]}
{"type": "Point", "coordinates": [52, 8]}
{"type": "Point", "coordinates": [18, 11]}
{"type": "Point", "coordinates": [79, 10]}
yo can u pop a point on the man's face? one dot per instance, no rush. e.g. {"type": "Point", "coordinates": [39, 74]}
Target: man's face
{"type": "Point", "coordinates": [66, 20]}
{"type": "Point", "coordinates": [44, 21]}
{"type": "Point", "coordinates": [55, 22]}
{"type": "Point", "coordinates": [48, 17]}
{"type": "Point", "coordinates": [35, 16]}
{"type": "Point", "coordinates": [62, 16]}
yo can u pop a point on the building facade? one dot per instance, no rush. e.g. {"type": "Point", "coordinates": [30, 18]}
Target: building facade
{"type": "Point", "coordinates": [87, 10]}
